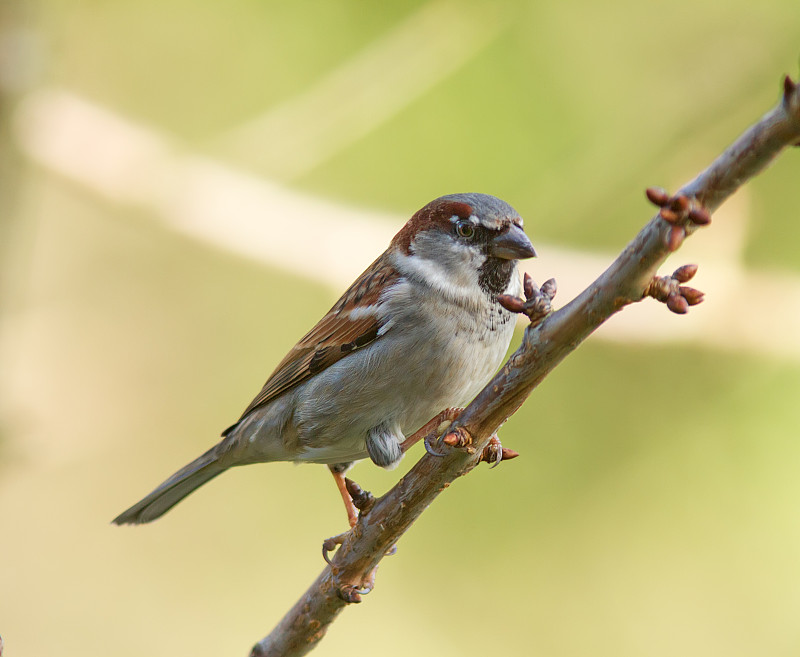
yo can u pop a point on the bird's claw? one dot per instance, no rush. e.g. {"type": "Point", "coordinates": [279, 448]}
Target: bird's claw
{"type": "Point", "coordinates": [537, 303]}
{"type": "Point", "coordinates": [435, 431]}
{"type": "Point", "coordinates": [352, 593]}
{"type": "Point", "coordinates": [458, 437]}
{"type": "Point", "coordinates": [330, 544]}
{"type": "Point", "coordinates": [428, 442]}
{"type": "Point", "coordinates": [493, 453]}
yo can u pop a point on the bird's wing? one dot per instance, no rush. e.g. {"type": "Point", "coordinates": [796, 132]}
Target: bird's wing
{"type": "Point", "coordinates": [351, 324]}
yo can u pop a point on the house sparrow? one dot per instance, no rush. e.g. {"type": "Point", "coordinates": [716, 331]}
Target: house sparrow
{"type": "Point", "coordinates": [420, 330]}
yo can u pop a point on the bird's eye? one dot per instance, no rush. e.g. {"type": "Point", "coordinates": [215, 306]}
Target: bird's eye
{"type": "Point", "coordinates": [465, 229]}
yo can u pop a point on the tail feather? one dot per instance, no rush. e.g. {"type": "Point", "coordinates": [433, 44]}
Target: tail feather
{"type": "Point", "coordinates": [173, 490]}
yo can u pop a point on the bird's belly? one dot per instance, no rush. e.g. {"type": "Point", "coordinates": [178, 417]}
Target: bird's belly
{"type": "Point", "coordinates": [401, 383]}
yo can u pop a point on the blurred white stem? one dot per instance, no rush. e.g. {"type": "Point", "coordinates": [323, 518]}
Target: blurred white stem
{"type": "Point", "coordinates": [206, 200]}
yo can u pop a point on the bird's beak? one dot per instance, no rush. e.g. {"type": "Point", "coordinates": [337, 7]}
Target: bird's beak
{"type": "Point", "coordinates": [512, 244]}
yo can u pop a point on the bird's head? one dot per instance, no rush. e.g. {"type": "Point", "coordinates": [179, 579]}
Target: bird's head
{"type": "Point", "coordinates": [461, 242]}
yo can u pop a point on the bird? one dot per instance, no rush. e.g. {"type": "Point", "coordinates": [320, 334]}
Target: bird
{"type": "Point", "coordinates": [421, 330]}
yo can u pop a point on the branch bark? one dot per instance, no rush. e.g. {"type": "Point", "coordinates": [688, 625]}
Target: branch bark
{"type": "Point", "coordinates": [544, 346]}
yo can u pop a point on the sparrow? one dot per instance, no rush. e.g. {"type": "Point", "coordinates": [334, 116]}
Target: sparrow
{"type": "Point", "coordinates": [419, 331]}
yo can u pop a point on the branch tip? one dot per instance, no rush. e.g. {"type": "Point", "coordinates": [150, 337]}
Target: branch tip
{"type": "Point", "coordinates": [670, 216]}
{"type": "Point", "coordinates": [363, 500]}
{"type": "Point", "coordinates": [511, 303]}
{"type": "Point", "coordinates": [494, 453]}
{"type": "Point", "coordinates": [668, 290]}
{"type": "Point", "coordinates": [657, 196]}
{"type": "Point", "coordinates": [789, 87]}
{"type": "Point", "coordinates": [679, 204]}
{"type": "Point", "coordinates": [677, 304]}
{"type": "Point", "coordinates": [692, 296]}
{"type": "Point", "coordinates": [528, 286]}
{"type": "Point", "coordinates": [685, 273]}
{"type": "Point", "coordinates": [791, 100]}
{"type": "Point", "coordinates": [677, 210]}
{"type": "Point", "coordinates": [537, 303]}
{"type": "Point", "coordinates": [549, 288]}
{"type": "Point", "coordinates": [700, 216]}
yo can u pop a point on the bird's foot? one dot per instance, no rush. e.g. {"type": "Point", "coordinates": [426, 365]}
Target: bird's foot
{"type": "Point", "coordinates": [360, 502]}
{"type": "Point", "coordinates": [330, 544]}
{"type": "Point", "coordinates": [352, 593]}
{"type": "Point", "coordinates": [429, 440]}
{"type": "Point", "coordinates": [493, 453]}
{"type": "Point", "coordinates": [457, 437]}
{"type": "Point", "coordinates": [356, 499]}
{"type": "Point", "coordinates": [439, 431]}
{"type": "Point", "coordinates": [431, 430]}
{"type": "Point", "coordinates": [452, 437]}
{"type": "Point", "coordinates": [537, 303]}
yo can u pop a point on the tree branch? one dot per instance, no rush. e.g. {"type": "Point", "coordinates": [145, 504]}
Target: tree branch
{"type": "Point", "coordinates": [545, 344]}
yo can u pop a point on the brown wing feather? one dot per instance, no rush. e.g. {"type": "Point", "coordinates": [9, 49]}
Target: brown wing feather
{"type": "Point", "coordinates": [335, 336]}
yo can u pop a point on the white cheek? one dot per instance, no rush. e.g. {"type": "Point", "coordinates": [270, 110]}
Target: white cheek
{"type": "Point", "coordinates": [459, 281]}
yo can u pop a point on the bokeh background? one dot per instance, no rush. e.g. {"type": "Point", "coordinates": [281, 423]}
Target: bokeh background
{"type": "Point", "coordinates": [186, 187]}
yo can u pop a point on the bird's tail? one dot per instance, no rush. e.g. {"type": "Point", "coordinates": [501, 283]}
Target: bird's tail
{"type": "Point", "coordinates": [173, 490]}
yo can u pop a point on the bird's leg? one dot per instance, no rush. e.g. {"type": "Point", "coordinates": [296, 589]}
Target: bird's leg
{"type": "Point", "coordinates": [433, 428]}
{"type": "Point", "coordinates": [330, 544]}
{"type": "Point", "coordinates": [362, 500]}
{"type": "Point", "coordinates": [355, 499]}
{"type": "Point", "coordinates": [341, 483]}
{"type": "Point", "coordinates": [338, 470]}
{"type": "Point", "coordinates": [493, 453]}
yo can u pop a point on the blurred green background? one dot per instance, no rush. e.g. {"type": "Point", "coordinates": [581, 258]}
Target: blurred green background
{"type": "Point", "coordinates": [655, 510]}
